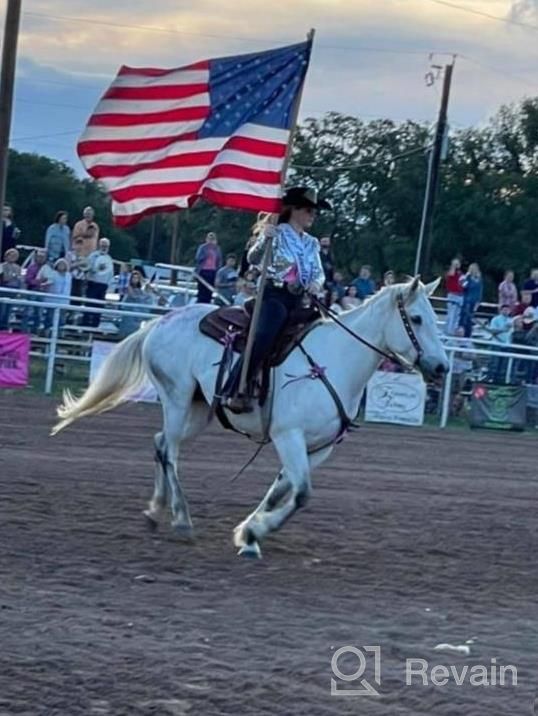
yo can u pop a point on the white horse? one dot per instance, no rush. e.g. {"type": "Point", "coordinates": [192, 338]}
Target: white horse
{"type": "Point", "coordinates": [182, 364]}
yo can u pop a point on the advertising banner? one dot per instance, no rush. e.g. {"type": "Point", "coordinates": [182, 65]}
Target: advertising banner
{"type": "Point", "coordinates": [395, 398]}
{"type": "Point", "coordinates": [502, 407]}
{"type": "Point", "coordinates": [14, 360]}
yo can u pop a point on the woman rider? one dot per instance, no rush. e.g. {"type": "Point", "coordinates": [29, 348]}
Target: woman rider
{"type": "Point", "coordinates": [295, 269]}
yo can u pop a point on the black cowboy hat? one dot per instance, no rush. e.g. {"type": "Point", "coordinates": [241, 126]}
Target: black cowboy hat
{"type": "Point", "coordinates": [302, 197]}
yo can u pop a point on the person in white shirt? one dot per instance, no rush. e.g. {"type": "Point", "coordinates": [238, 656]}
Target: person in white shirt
{"type": "Point", "coordinates": [500, 328]}
{"type": "Point", "coordinates": [100, 275]}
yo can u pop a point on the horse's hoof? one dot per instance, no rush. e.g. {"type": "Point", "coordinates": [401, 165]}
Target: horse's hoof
{"type": "Point", "coordinates": [151, 522]}
{"type": "Point", "coordinates": [184, 532]}
{"type": "Point", "coordinates": [250, 551]}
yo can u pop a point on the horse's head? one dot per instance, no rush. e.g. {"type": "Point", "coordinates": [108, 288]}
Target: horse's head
{"type": "Point", "coordinates": [411, 332]}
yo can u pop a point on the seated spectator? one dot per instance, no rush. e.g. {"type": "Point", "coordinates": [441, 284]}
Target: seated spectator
{"type": "Point", "coordinates": [389, 278]}
{"type": "Point", "coordinates": [58, 238]}
{"type": "Point", "coordinates": [244, 291]}
{"type": "Point", "coordinates": [226, 279]}
{"type": "Point", "coordinates": [364, 284]}
{"type": "Point", "coordinates": [335, 305]}
{"type": "Point", "coordinates": [10, 277]}
{"type": "Point", "coordinates": [123, 283]}
{"type": "Point", "coordinates": [100, 275]}
{"type": "Point", "coordinates": [338, 285]}
{"type": "Point", "coordinates": [507, 290]}
{"type": "Point", "coordinates": [350, 300]}
{"type": "Point", "coordinates": [462, 367]}
{"type": "Point", "coordinates": [526, 301]}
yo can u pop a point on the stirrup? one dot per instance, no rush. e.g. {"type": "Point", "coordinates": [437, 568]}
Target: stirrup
{"type": "Point", "coordinates": [239, 404]}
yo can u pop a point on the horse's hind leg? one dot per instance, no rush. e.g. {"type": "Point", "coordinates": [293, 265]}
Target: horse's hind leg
{"type": "Point", "coordinates": [157, 504]}
{"type": "Point", "coordinates": [183, 421]}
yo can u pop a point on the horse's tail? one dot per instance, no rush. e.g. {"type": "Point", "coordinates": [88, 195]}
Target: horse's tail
{"type": "Point", "coordinates": [122, 371]}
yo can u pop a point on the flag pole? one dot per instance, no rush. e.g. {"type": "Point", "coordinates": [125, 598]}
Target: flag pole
{"type": "Point", "coordinates": [268, 244]}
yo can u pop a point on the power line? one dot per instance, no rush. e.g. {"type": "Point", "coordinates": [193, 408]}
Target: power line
{"type": "Point", "coordinates": [243, 38]}
{"type": "Point", "coordinates": [481, 13]}
{"type": "Point", "coordinates": [363, 165]}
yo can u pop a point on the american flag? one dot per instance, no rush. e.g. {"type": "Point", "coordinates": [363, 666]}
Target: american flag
{"type": "Point", "coordinates": [219, 129]}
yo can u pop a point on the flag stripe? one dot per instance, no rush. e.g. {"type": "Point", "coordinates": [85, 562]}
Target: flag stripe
{"type": "Point", "coordinates": [143, 132]}
{"type": "Point", "coordinates": [139, 106]}
{"type": "Point", "coordinates": [159, 92]}
{"type": "Point", "coordinates": [181, 114]}
{"type": "Point", "coordinates": [182, 167]}
{"type": "Point", "coordinates": [155, 72]}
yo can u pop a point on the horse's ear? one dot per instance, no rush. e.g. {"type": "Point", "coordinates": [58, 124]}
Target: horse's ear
{"type": "Point", "coordinates": [411, 288]}
{"type": "Point", "coordinates": [432, 287]}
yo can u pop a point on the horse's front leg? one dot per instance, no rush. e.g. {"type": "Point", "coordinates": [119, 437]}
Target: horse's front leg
{"type": "Point", "coordinates": [292, 451]}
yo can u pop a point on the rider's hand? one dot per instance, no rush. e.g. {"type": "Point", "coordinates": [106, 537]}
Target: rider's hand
{"type": "Point", "coordinates": [269, 231]}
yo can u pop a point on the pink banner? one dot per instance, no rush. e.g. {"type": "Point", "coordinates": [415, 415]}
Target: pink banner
{"type": "Point", "coordinates": [14, 363]}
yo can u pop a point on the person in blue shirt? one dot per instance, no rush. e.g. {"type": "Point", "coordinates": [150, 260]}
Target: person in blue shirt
{"type": "Point", "coordinates": [473, 287]}
{"type": "Point", "coordinates": [364, 284]}
{"type": "Point", "coordinates": [295, 270]}
{"type": "Point", "coordinates": [58, 238]}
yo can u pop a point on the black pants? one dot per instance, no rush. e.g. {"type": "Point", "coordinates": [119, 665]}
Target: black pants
{"type": "Point", "coordinates": [204, 293]}
{"type": "Point", "coordinates": [97, 291]}
{"type": "Point", "coordinates": [277, 306]}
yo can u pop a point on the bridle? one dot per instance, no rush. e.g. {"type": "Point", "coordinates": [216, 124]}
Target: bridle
{"type": "Point", "coordinates": [409, 328]}
{"type": "Point", "coordinates": [385, 354]}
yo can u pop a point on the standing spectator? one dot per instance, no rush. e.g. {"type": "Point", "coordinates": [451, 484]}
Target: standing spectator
{"type": "Point", "coordinates": [57, 238]}
{"type": "Point", "coordinates": [531, 285]}
{"type": "Point", "coordinates": [500, 328]}
{"type": "Point", "coordinates": [61, 286]}
{"type": "Point", "coordinates": [364, 284]}
{"type": "Point", "coordinates": [226, 278]}
{"type": "Point", "coordinates": [208, 260]}
{"type": "Point", "coordinates": [10, 277]}
{"type": "Point", "coordinates": [100, 275]}
{"type": "Point", "coordinates": [472, 286]}
{"type": "Point", "coordinates": [78, 266]}
{"type": "Point", "coordinates": [124, 279]}
{"type": "Point", "coordinates": [10, 232]}
{"type": "Point", "coordinates": [454, 297]}
{"type": "Point", "coordinates": [508, 291]}
{"type": "Point", "coordinates": [137, 295]}
{"type": "Point", "coordinates": [88, 230]}
{"type": "Point", "coordinates": [38, 278]}
{"type": "Point", "coordinates": [327, 261]}
{"type": "Point", "coordinates": [388, 278]}
{"type": "Point", "coordinates": [350, 300]}
{"type": "Point", "coordinates": [461, 369]}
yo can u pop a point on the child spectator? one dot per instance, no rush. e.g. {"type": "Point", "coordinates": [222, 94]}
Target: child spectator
{"type": "Point", "coordinates": [454, 297]}
{"type": "Point", "coordinates": [245, 290]}
{"type": "Point", "coordinates": [57, 238]}
{"type": "Point", "coordinates": [508, 292]}
{"type": "Point", "coordinates": [334, 305]}
{"type": "Point", "coordinates": [10, 277]}
{"type": "Point", "coordinates": [388, 278]}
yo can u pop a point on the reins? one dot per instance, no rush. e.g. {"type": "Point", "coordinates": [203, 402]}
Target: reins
{"type": "Point", "coordinates": [385, 354]}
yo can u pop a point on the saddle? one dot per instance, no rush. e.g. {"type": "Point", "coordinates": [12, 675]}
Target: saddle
{"type": "Point", "coordinates": [230, 324]}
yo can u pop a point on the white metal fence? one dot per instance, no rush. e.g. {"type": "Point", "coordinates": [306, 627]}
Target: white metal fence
{"type": "Point", "coordinates": [69, 342]}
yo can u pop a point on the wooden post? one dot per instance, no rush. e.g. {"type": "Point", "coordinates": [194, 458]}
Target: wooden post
{"type": "Point", "coordinates": [268, 249]}
{"type": "Point", "coordinates": [7, 83]}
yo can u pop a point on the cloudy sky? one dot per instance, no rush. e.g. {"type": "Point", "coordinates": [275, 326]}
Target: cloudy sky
{"type": "Point", "coordinates": [370, 58]}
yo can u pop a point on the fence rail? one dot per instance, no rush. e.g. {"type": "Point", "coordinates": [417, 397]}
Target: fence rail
{"type": "Point", "coordinates": [60, 348]}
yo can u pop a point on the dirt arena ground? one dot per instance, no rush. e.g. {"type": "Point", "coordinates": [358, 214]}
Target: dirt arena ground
{"type": "Point", "coordinates": [412, 538]}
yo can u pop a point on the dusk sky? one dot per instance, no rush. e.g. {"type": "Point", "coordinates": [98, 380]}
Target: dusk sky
{"type": "Point", "coordinates": [369, 59]}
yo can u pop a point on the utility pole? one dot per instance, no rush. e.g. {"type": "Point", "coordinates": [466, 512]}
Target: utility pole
{"type": "Point", "coordinates": [422, 264]}
{"type": "Point", "coordinates": [7, 83]}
